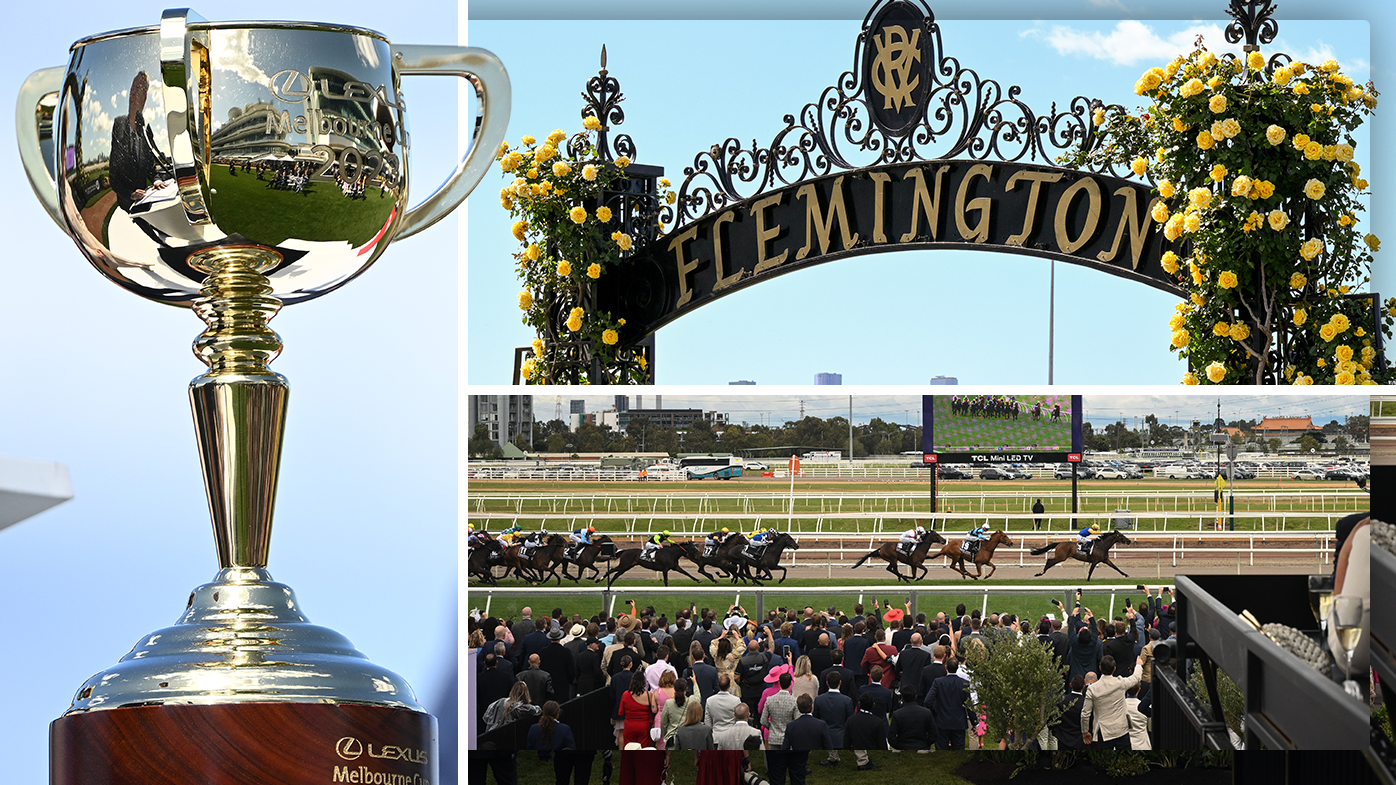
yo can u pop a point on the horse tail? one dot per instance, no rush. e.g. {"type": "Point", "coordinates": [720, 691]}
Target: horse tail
{"type": "Point", "coordinates": [1039, 551]}
{"type": "Point", "coordinates": [866, 556]}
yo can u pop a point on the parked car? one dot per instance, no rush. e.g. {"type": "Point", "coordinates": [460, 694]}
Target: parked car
{"type": "Point", "coordinates": [1110, 473]}
{"type": "Point", "coordinates": [950, 472]}
{"type": "Point", "coordinates": [994, 473]}
{"type": "Point", "coordinates": [755, 466]}
{"type": "Point", "coordinates": [1063, 472]}
{"type": "Point", "coordinates": [1174, 471]}
{"type": "Point", "coordinates": [1308, 474]}
{"type": "Point", "coordinates": [1342, 473]}
{"type": "Point", "coordinates": [1017, 473]}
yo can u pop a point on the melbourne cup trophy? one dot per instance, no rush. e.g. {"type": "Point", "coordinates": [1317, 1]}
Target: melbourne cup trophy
{"type": "Point", "coordinates": [250, 165]}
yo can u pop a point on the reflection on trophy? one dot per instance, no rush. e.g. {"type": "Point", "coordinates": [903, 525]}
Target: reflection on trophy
{"type": "Point", "coordinates": [234, 168]}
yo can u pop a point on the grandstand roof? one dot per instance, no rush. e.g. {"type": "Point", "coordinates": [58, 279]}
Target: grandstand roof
{"type": "Point", "coordinates": [1286, 424]}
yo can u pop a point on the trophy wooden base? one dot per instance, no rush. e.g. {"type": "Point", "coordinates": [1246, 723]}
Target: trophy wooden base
{"type": "Point", "coordinates": [244, 744]}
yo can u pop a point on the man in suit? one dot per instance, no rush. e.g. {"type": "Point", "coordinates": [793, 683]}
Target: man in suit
{"type": "Point", "coordinates": [536, 640]}
{"type": "Point", "coordinates": [720, 709]}
{"type": "Point", "coordinates": [784, 640]}
{"type": "Point", "coordinates": [880, 695]}
{"type": "Point", "coordinates": [1104, 703]}
{"type": "Point", "coordinates": [503, 658]}
{"type": "Point", "coordinates": [626, 649]}
{"type": "Point", "coordinates": [682, 641]}
{"type": "Point", "coordinates": [701, 673]}
{"type": "Point", "coordinates": [489, 648]}
{"type": "Point", "coordinates": [835, 708]}
{"type": "Point", "coordinates": [704, 634]}
{"type": "Point", "coordinates": [847, 685]}
{"type": "Point", "coordinates": [1121, 646]}
{"type": "Point", "coordinates": [524, 627]}
{"type": "Point", "coordinates": [910, 662]}
{"type": "Point", "coordinates": [589, 674]}
{"type": "Point", "coordinates": [540, 684]}
{"type": "Point", "coordinates": [947, 702]}
{"type": "Point", "coordinates": [933, 670]}
{"type": "Point", "coordinates": [820, 655]}
{"type": "Point", "coordinates": [802, 734]}
{"type": "Point", "coordinates": [819, 626]}
{"type": "Point", "coordinates": [865, 731]}
{"type": "Point", "coordinates": [1068, 727]}
{"type": "Point", "coordinates": [853, 650]}
{"type": "Point", "coordinates": [912, 726]}
{"type": "Point", "coordinates": [577, 643]}
{"type": "Point", "coordinates": [751, 673]}
{"type": "Point", "coordinates": [560, 665]}
{"type": "Point", "coordinates": [490, 686]}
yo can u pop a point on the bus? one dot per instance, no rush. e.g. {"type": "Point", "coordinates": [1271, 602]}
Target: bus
{"type": "Point", "coordinates": [703, 467]}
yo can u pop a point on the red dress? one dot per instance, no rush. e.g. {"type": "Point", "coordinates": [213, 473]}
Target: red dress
{"type": "Point", "coordinates": [638, 721]}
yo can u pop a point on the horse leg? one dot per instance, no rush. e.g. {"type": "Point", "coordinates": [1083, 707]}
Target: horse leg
{"type": "Point", "coordinates": [684, 573]}
{"type": "Point", "coordinates": [782, 573]}
{"type": "Point", "coordinates": [1051, 561]}
{"type": "Point", "coordinates": [1116, 569]}
{"type": "Point", "coordinates": [992, 569]}
{"type": "Point", "coordinates": [1091, 571]}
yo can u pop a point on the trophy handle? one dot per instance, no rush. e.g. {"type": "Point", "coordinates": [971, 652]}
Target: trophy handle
{"type": "Point", "coordinates": [33, 126]}
{"type": "Point", "coordinates": [486, 73]}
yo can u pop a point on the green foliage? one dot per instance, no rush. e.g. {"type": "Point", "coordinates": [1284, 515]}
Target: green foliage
{"type": "Point", "coordinates": [1019, 685]}
{"type": "Point", "coordinates": [1233, 701]}
{"type": "Point", "coordinates": [1383, 719]}
{"type": "Point", "coordinates": [1259, 204]}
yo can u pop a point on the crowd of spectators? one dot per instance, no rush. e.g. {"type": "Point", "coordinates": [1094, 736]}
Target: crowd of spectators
{"type": "Point", "coordinates": [800, 680]}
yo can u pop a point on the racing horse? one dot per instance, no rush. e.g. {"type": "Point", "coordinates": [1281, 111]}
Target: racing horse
{"type": "Point", "coordinates": [889, 553]}
{"type": "Point", "coordinates": [1100, 552]}
{"type": "Point", "coordinates": [482, 559]}
{"type": "Point", "coordinates": [541, 563]}
{"type": "Point", "coordinates": [665, 559]}
{"type": "Point", "coordinates": [983, 556]}
{"type": "Point", "coordinates": [601, 548]}
{"type": "Point", "coordinates": [769, 559]}
{"type": "Point", "coordinates": [724, 559]}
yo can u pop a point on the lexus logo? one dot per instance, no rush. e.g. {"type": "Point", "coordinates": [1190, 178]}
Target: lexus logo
{"type": "Point", "coordinates": [349, 748]}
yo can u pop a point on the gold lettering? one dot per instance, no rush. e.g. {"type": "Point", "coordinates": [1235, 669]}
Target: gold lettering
{"type": "Point", "coordinates": [817, 221]}
{"type": "Point", "coordinates": [676, 247]}
{"type": "Point", "coordinates": [980, 232]}
{"type": "Point", "coordinates": [879, 179]}
{"type": "Point", "coordinates": [922, 200]}
{"type": "Point", "coordinates": [758, 209]}
{"type": "Point", "coordinates": [1064, 242]}
{"type": "Point", "coordinates": [722, 281]}
{"type": "Point", "coordinates": [1138, 227]}
{"type": "Point", "coordinates": [1030, 222]}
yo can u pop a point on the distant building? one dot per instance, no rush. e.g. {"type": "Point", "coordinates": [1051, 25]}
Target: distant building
{"type": "Point", "coordinates": [1286, 429]}
{"type": "Point", "coordinates": [742, 381]}
{"type": "Point", "coordinates": [622, 403]}
{"type": "Point", "coordinates": [828, 378]}
{"type": "Point", "coordinates": [674, 419]}
{"type": "Point", "coordinates": [944, 380]}
{"type": "Point", "coordinates": [506, 416]}
{"type": "Point", "coordinates": [717, 419]}
{"type": "Point", "coordinates": [578, 406]}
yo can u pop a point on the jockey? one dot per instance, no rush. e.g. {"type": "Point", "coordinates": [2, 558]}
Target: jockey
{"type": "Point", "coordinates": [758, 541]}
{"type": "Point", "coordinates": [475, 539]}
{"type": "Point", "coordinates": [654, 544]}
{"type": "Point", "coordinates": [532, 542]}
{"type": "Point", "coordinates": [974, 538]}
{"type": "Point", "coordinates": [510, 536]}
{"type": "Point", "coordinates": [711, 543]}
{"type": "Point", "coordinates": [582, 536]}
{"type": "Point", "coordinates": [910, 539]}
{"type": "Point", "coordinates": [1083, 537]}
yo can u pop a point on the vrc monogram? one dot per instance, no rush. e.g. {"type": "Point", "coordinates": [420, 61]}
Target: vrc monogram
{"type": "Point", "coordinates": [896, 54]}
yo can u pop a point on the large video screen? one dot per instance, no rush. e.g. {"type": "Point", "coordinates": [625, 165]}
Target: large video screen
{"type": "Point", "coordinates": [1012, 427]}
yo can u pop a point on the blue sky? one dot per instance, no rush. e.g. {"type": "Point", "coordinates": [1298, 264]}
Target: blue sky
{"type": "Point", "coordinates": [96, 377]}
{"type": "Point", "coordinates": [887, 318]}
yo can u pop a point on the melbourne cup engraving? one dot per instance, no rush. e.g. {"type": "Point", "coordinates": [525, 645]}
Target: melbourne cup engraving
{"type": "Point", "coordinates": [233, 168]}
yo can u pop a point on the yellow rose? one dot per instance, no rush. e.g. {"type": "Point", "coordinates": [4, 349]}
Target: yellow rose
{"type": "Point", "coordinates": [1218, 173]}
{"type": "Point", "coordinates": [1274, 134]}
{"type": "Point", "coordinates": [1217, 104]}
{"type": "Point", "coordinates": [533, 173]}
{"type": "Point", "coordinates": [609, 337]}
{"type": "Point", "coordinates": [1151, 79]}
{"type": "Point", "coordinates": [1322, 363]}
{"type": "Point", "coordinates": [1314, 189]}
{"type": "Point", "coordinates": [1218, 131]}
{"type": "Point", "coordinates": [1359, 332]}
{"type": "Point", "coordinates": [1216, 372]}
{"type": "Point", "coordinates": [603, 214]}
{"type": "Point", "coordinates": [1192, 222]}
{"type": "Point", "coordinates": [1221, 329]}
{"type": "Point", "coordinates": [1311, 248]}
{"type": "Point", "coordinates": [544, 187]}
{"type": "Point", "coordinates": [1180, 338]}
{"type": "Point", "coordinates": [1297, 281]}
{"type": "Point", "coordinates": [623, 162]}
{"type": "Point", "coordinates": [557, 136]}
{"type": "Point", "coordinates": [1205, 141]}
{"type": "Point", "coordinates": [1160, 212]}
{"type": "Point", "coordinates": [561, 169]}
{"type": "Point", "coordinates": [1278, 220]}
{"type": "Point", "coordinates": [519, 228]}
{"type": "Point", "coordinates": [506, 201]}
{"type": "Point", "coordinates": [1264, 189]}
{"type": "Point", "coordinates": [1372, 242]}
{"type": "Point", "coordinates": [1178, 125]}
{"type": "Point", "coordinates": [664, 182]}
{"type": "Point", "coordinates": [1174, 228]}
{"type": "Point", "coordinates": [1301, 141]}
{"type": "Point", "coordinates": [578, 214]}
{"type": "Point", "coordinates": [1189, 378]}
{"type": "Point", "coordinates": [624, 242]}
{"type": "Point", "coordinates": [1255, 60]}
{"type": "Point", "coordinates": [1241, 185]}
{"type": "Point", "coordinates": [1301, 89]}
{"type": "Point", "coordinates": [643, 363]}
{"type": "Point", "coordinates": [594, 271]}
{"type": "Point", "coordinates": [1359, 184]}
{"type": "Point", "coordinates": [1343, 378]}
{"type": "Point", "coordinates": [1283, 75]}
{"type": "Point", "coordinates": [1230, 127]}
{"type": "Point", "coordinates": [591, 123]}
{"type": "Point", "coordinates": [532, 252]}
{"type": "Point", "coordinates": [1191, 87]}
{"type": "Point", "coordinates": [1340, 322]}
{"type": "Point", "coordinates": [510, 162]}
{"type": "Point", "coordinates": [589, 172]}
{"type": "Point", "coordinates": [1313, 151]}
{"type": "Point", "coordinates": [1327, 332]}
{"type": "Point", "coordinates": [525, 300]}
{"type": "Point", "coordinates": [574, 324]}
{"type": "Point", "coordinates": [1139, 166]}
{"type": "Point", "coordinates": [564, 268]}
{"type": "Point", "coordinates": [538, 347]}
{"type": "Point", "coordinates": [528, 140]}
{"type": "Point", "coordinates": [1169, 262]}
{"type": "Point", "coordinates": [1196, 276]}
{"type": "Point", "coordinates": [1304, 379]}
{"type": "Point", "coordinates": [1240, 332]}
{"type": "Point", "coordinates": [1344, 352]}
{"type": "Point", "coordinates": [1329, 66]}
{"type": "Point", "coordinates": [1227, 280]}
{"type": "Point", "coordinates": [545, 153]}
{"type": "Point", "coordinates": [1166, 189]}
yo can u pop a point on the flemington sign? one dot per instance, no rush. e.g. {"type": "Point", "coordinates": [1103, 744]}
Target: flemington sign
{"type": "Point", "coordinates": [748, 214]}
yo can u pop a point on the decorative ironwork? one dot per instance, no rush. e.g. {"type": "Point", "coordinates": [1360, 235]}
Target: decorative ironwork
{"type": "Point", "coordinates": [1252, 20]}
{"type": "Point", "coordinates": [965, 116]}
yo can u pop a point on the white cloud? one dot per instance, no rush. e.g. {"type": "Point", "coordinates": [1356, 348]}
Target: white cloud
{"type": "Point", "coordinates": [233, 52]}
{"type": "Point", "coordinates": [1132, 42]}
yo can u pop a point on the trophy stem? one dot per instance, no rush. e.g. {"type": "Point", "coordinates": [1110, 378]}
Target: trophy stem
{"type": "Point", "coordinates": [239, 403]}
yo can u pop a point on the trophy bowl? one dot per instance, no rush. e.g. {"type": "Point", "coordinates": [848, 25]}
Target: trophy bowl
{"type": "Point", "coordinates": [160, 142]}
